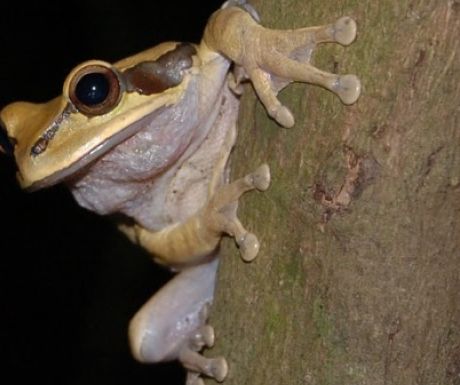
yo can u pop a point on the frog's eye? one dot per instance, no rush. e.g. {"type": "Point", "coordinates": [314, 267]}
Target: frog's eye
{"type": "Point", "coordinates": [6, 143]}
{"type": "Point", "coordinates": [95, 89]}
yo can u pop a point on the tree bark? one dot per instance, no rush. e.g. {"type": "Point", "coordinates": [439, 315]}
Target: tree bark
{"type": "Point", "coordinates": [358, 276]}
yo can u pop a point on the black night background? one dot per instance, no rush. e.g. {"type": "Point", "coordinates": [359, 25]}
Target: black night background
{"type": "Point", "coordinates": [69, 281]}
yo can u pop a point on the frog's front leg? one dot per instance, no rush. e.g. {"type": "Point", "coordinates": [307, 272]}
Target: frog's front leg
{"type": "Point", "coordinates": [274, 58]}
{"type": "Point", "coordinates": [190, 242]}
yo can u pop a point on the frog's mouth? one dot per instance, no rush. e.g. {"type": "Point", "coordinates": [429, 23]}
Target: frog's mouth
{"type": "Point", "coordinates": [86, 161]}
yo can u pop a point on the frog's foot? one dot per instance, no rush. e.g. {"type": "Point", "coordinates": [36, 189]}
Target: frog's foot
{"type": "Point", "coordinates": [274, 58]}
{"type": "Point", "coordinates": [343, 31]}
{"type": "Point", "coordinates": [197, 364]}
{"type": "Point", "coordinates": [288, 61]}
{"type": "Point", "coordinates": [221, 210]}
{"type": "Point", "coordinates": [194, 379]}
{"type": "Point", "coordinates": [203, 337]}
{"type": "Point", "coordinates": [191, 358]}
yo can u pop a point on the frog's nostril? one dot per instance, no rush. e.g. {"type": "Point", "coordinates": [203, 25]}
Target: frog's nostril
{"type": "Point", "coordinates": [6, 143]}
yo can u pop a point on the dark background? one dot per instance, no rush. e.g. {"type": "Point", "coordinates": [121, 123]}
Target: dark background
{"type": "Point", "coordinates": [69, 282]}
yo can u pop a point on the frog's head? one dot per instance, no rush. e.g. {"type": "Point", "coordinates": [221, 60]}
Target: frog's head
{"type": "Point", "coordinates": [97, 110]}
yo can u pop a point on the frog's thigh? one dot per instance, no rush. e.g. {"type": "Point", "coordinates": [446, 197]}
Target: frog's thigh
{"type": "Point", "coordinates": [170, 320]}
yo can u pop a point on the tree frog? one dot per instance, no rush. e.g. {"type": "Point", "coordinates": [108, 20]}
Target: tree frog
{"type": "Point", "coordinates": [149, 137]}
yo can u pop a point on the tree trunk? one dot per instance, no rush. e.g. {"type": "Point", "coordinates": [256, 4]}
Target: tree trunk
{"type": "Point", "coordinates": [357, 280]}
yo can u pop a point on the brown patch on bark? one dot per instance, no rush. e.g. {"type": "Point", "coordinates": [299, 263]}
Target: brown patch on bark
{"type": "Point", "coordinates": [394, 329]}
{"type": "Point", "coordinates": [453, 369]}
{"type": "Point", "coordinates": [362, 172]}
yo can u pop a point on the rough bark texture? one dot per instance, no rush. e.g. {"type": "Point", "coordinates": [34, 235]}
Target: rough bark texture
{"type": "Point", "coordinates": [357, 280]}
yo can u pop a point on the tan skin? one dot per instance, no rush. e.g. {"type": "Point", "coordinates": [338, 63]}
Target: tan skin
{"type": "Point", "coordinates": [155, 149]}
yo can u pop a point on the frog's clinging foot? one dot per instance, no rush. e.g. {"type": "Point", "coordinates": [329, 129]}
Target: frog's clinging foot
{"type": "Point", "coordinates": [221, 211]}
{"type": "Point", "coordinates": [203, 337]}
{"type": "Point", "coordinates": [216, 368]}
{"type": "Point", "coordinates": [260, 178]}
{"type": "Point", "coordinates": [274, 58]}
{"type": "Point", "coordinates": [249, 246]}
{"type": "Point", "coordinates": [194, 379]}
{"type": "Point", "coordinates": [347, 88]}
{"type": "Point", "coordinates": [344, 30]}
{"type": "Point", "coordinates": [194, 361]}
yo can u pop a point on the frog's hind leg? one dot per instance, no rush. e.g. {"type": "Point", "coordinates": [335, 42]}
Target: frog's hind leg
{"type": "Point", "coordinates": [173, 324]}
{"type": "Point", "coordinates": [196, 364]}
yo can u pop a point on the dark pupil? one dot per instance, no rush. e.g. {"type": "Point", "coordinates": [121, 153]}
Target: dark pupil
{"type": "Point", "coordinates": [92, 89]}
{"type": "Point", "coordinates": [5, 142]}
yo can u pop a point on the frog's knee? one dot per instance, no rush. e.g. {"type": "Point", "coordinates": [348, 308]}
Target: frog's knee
{"type": "Point", "coordinates": [146, 343]}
